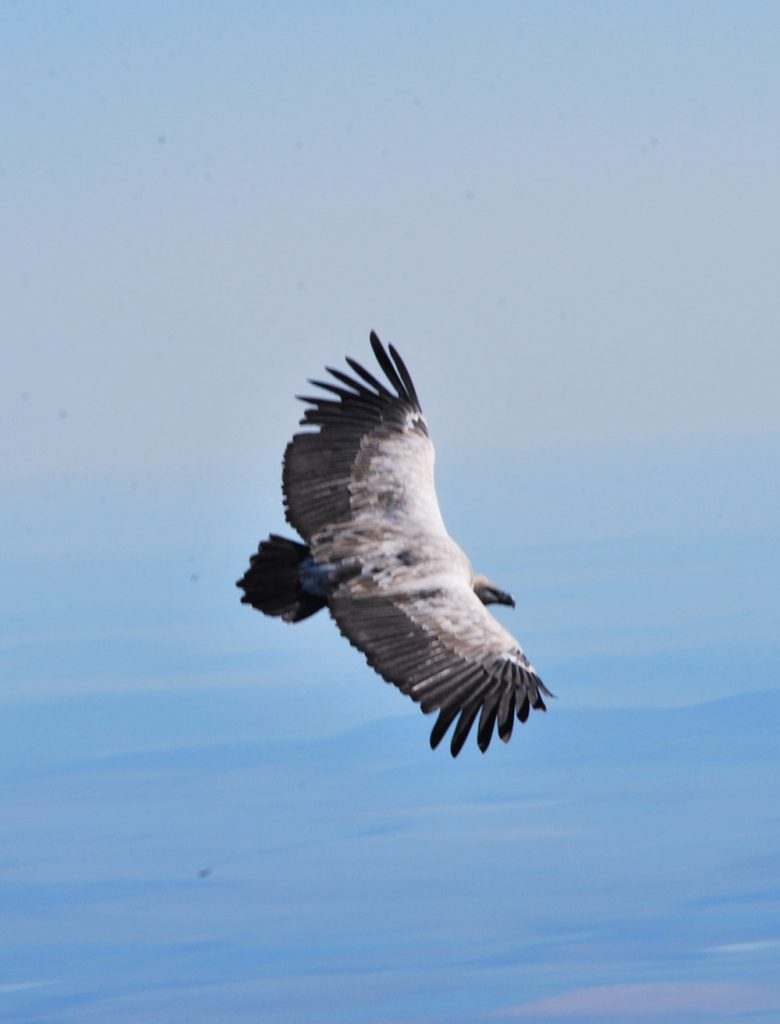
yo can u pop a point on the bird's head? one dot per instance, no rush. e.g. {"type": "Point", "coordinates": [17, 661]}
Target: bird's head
{"type": "Point", "coordinates": [489, 593]}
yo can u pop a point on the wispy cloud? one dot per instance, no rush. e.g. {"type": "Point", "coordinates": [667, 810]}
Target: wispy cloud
{"type": "Point", "coordinates": [654, 999]}
{"type": "Point", "coordinates": [743, 948]}
{"type": "Point", "coordinates": [22, 986]}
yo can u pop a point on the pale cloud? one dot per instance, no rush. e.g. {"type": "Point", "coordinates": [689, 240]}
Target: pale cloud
{"type": "Point", "coordinates": [743, 948]}
{"type": "Point", "coordinates": [11, 987]}
{"type": "Point", "coordinates": [652, 1000]}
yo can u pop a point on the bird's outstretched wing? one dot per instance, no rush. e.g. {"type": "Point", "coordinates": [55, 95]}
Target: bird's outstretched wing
{"type": "Point", "coordinates": [360, 489]}
{"type": "Point", "coordinates": [371, 457]}
{"type": "Point", "coordinates": [445, 650]}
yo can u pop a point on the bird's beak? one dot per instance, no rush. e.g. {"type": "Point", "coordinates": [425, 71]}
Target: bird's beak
{"type": "Point", "coordinates": [489, 593]}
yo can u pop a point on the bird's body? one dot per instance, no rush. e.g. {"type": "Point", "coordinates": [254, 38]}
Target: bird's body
{"type": "Point", "coordinates": [360, 491]}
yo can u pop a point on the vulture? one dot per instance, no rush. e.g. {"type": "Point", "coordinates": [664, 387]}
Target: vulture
{"type": "Point", "coordinates": [358, 488]}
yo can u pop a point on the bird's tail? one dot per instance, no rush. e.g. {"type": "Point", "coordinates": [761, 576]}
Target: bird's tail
{"type": "Point", "coordinates": [272, 583]}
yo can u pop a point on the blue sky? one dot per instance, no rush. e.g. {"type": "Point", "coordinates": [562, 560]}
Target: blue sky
{"type": "Point", "coordinates": [565, 217]}
{"type": "Point", "coordinates": [201, 199]}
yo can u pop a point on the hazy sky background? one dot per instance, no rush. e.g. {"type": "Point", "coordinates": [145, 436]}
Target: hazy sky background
{"type": "Point", "coordinates": [565, 216]}
{"type": "Point", "coordinates": [568, 212]}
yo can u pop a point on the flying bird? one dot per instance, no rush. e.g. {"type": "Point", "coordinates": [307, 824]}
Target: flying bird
{"type": "Point", "coordinates": [358, 487]}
